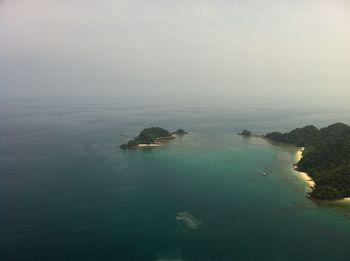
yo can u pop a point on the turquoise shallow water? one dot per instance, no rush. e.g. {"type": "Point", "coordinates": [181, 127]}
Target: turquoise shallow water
{"type": "Point", "coordinates": [69, 193]}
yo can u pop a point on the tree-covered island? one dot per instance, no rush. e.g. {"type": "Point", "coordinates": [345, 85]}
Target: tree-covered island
{"type": "Point", "coordinates": [180, 132]}
{"type": "Point", "coordinates": [152, 137]}
{"type": "Point", "coordinates": [245, 133]}
{"type": "Point", "coordinates": [326, 157]}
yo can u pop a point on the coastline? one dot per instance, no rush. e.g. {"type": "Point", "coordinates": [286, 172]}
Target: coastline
{"type": "Point", "coordinates": [307, 179]}
{"type": "Point", "coordinates": [149, 145]}
{"type": "Point", "coordinates": [158, 144]}
{"type": "Point", "coordinates": [303, 175]}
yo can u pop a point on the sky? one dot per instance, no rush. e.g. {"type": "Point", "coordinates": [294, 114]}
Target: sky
{"type": "Point", "coordinates": [251, 49]}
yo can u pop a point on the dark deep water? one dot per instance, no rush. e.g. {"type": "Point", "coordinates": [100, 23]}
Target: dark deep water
{"type": "Point", "coordinates": [67, 192]}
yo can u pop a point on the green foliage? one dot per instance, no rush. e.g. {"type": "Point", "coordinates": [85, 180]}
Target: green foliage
{"type": "Point", "coordinates": [129, 144]}
{"type": "Point", "coordinates": [246, 133]}
{"type": "Point", "coordinates": [180, 132]}
{"type": "Point", "coordinates": [326, 158]}
{"type": "Point", "coordinates": [147, 136]}
{"type": "Point", "coordinates": [327, 193]}
{"type": "Point", "coordinates": [301, 137]}
{"type": "Point", "coordinates": [150, 135]}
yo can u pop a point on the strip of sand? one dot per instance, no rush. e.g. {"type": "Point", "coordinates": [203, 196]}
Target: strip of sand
{"type": "Point", "coordinates": [311, 183]}
{"type": "Point", "coordinates": [298, 156]}
{"type": "Point", "coordinates": [149, 145]}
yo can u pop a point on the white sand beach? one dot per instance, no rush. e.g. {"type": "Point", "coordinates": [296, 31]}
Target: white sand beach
{"type": "Point", "coordinates": [149, 145]}
{"type": "Point", "coordinates": [298, 156]}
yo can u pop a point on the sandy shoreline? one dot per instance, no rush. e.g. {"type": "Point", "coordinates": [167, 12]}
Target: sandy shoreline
{"type": "Point", "coordinates": [308, 180]}
{"type": "Point", "coordinates": [149, 145]}
{"type": "Point", "coordinates": [158, 144]}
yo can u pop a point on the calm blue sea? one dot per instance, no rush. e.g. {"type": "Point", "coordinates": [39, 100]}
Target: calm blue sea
{"type": "Point", "coordinates": [68, 192]}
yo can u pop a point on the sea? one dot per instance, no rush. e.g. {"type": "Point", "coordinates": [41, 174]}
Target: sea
{"type": "Point", "coordinates": [69, 192]}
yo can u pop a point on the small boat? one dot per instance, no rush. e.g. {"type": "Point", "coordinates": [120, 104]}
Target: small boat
{"type": "Point", "coordinates": [264, 174]}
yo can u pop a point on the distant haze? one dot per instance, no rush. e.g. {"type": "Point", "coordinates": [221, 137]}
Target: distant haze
{"type": "Point", "coordinates": [273, 50]}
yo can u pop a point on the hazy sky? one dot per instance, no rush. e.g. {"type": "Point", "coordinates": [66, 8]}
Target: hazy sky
{"type": "Point", "coordinates": [232, 49]}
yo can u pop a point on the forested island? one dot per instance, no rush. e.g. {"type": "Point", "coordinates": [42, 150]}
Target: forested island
{"type": "Point", "coordinates": [152, 137]}
{"type": "Point", "coordinates": [245, 133]}
{"type": "Point", "coordinates": [326, 157]}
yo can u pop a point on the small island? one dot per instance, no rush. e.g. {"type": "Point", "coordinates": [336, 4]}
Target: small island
{"type": "Point", "coordinates": [325, 157]}
{"type": "Point", "coordinates": [180, 132]}
{"type": "Point", "coordinates": [152, 137]}
{"type": "Point", "coordinates": [245, 133]}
